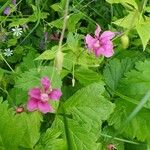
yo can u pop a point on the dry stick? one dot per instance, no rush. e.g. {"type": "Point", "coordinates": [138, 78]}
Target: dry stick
{"type": "Point", "coordinates": [59, 56]}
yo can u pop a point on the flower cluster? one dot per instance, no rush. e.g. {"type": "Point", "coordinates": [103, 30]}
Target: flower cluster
{"type": "Point", "coordinates": [101, 44]}
{"type": "Point", "coordinates": [39, 97]}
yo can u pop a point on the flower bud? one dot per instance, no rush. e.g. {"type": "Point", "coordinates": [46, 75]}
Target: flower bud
{"type": "Point", "coordinates": [59, 60]}
{"type": "Point", "coordinates": [125, 41]}
{"type": "Point", "coordinates": [19, 110]}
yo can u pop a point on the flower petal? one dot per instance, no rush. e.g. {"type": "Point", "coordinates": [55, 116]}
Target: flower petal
{"type": "Point", "coordinates": [99, 51]}
{"type": "Point", "coordinates": [108, 49]}
{"type": "Point", "coordinates": [45, 107]}
{"type": "Point", "coordinates": [32, 104]}
{"type": "Point", "coordinates": [55, 94]}
{"type": "Point", "coordinates": [108, 35]}
{"type": "Point", "coordinates": [45, 83]}
{"type": "Point", "coordinates": [90, 41]}
{"type": "Point", "coordinates": [97, 31]}
{"type": "Point", "coordinates": [7, 11]}
{"type": "Point", "coordinates": [35, 93]}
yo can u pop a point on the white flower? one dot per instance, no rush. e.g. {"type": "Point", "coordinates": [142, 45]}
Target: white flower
{"type": "Point", "coordinates": [8, 52]}
{"type": "Point", "coordinates": [17, 31]}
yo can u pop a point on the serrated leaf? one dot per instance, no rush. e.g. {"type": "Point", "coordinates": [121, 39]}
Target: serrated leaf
{"type": "Point", "coordinates": [139, 127]}
{"type": "Point", "coordinates": [115, 70]}
{"type": "Point", "coordinates": [71, 23]}
{"type": "Point", "coordinates": [87, 109]}
{"type": "Point", "coordinates": [48, 54]}
{"type": "Point", "coordinates": [89, 106]}
{"type": "Point", "coordinates": [16, 129]}
{"type": "Point", "coordinates": [52, 140]}
{"type": "Point", "coordinates": [131, 2]}
{"type": "Point", "coordinates": [31, 78]}
{"type": "Point", "coordinates": [86, 76]}
{"type": "Point", "coordinates": [137, 82]}
{"type": "Point", "coordinates": [128, 21]}
{"type": "Point", "coordinates": [32, 129]}
{"type": "Point", "coordinates": [143, 30]}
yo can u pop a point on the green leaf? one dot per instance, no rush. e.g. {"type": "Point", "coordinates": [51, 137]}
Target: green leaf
{"type": "Point", "coordinates": [52, 140]}
{"type": "Point", "coordinates": [137, 82]}
{"type": "Point", "coordinates": [11, 42]}
{"type": "Point", "coordinates": [86, 76]}
{"type": "Point", "coordinates": [16, 129]}
{"type": "Point", "coordinates": [143, 30]}
{"type": "Point", "coordinates": [128, 21]}
{"type": "Point", "coordinates": [130, 2]}
{"type": "Point", "coordinates": [57, 7]}
{"type": "Point", "coordinates": [89, 106]}
{"type": "Point", "coordinates": [72, 41]}
{"type": "Point", "coordinates": [82, 116]}
{"type": "Point", "coordinates": [73, 20]}
{"type": "Point", "coordinates": [138, 127]}
{"type": "Point", "coordinates": [11, 130]}
{"type": "Point", "coordinates": [31, 78]}
{"type": "Point", "coordinates": [71, 24]}
{"type": "Point", "coordinates": [115, 70]}
{"type": "Point", "coordinates": [48, 54]}
{"type": "Point", "coordinates": [32, 129]}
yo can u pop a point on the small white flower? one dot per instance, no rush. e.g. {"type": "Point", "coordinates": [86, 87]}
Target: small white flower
{"type": "Point", "coordinates": [8, 52]}
{"type": "Point", "coordinates": [17, 31]}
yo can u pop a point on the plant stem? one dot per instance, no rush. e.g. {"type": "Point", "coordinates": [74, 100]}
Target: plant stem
{"type": "Point", "coordinates": [64, 25]}
{"type": "Point", "coordinates": [7, 63]}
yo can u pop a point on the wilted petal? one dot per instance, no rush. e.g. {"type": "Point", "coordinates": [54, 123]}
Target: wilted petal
{"type": "Point", "coordinates": [97, 31]}
{"type": "Point", "coordinates": [46, 83]}
{"type": "Point", "coordinates": [45, 107]}
{"type": "Point", "coordinates": [89, 41]}
{"type": "Point", "coordinates": [55, 94]}
{"type": "Point", "coordinates": [32, 104]}
{"type": "Point", "coordinates": [108, 35]}
{"type": "Point", "coordinates": [35, 93]}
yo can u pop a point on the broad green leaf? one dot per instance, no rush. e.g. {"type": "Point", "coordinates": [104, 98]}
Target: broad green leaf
{"type": "Point", "coordinates": [72, 41]}
{"type": "Point", "coordinates": [48, 54]}
{"type": "Point", "coordinates": [11, 42]}
{"type": "Point", "coordinates": [137, 82]}
{"type": "Point", "coordinates": [88, 106]}
{"type": "Point", "coordinates": [52, 140]}
{"type": "Point", "coordinates": [128, 21]}
{"type": "Point", "coordinates": [88, 59]}
{"type": "Point", "coordinates": [138, 127]}
{"type": "Point", "coordinates": [86, 76]}
{"type": "Point", "coordinates": [115, 70]}
{"type": "Point", "coordinates": [143, 30]}
{"type": "Point", "coordinates": [57, 7]}
{"type": "Point", "coordinates": [130, 2]}
{"type": "Point", "coordinates": [82, 116]}
{"type": "Point", "coordinates": [32, 129]}
{"type": "Point", "coordinates": [11, 130]}
{"type": "Point", "coordinates": [73, 19]}
{"type": "Point", "coordinates": [31, 78]}
{"type": "Point", "coordinates": [16, 129]}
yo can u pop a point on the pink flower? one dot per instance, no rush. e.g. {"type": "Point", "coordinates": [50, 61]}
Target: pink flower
{"type": "Point", "coordinates": [39, 97]}
{"type": "Point", "coordinates": [101, 44]}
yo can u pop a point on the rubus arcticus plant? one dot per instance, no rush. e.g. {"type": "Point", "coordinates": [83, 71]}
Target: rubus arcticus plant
{"type": "Point", "coordinates": [74, 75]}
